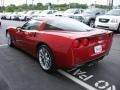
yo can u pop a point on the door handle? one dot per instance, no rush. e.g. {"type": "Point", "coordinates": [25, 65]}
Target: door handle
{"type": "Point", "coordinates": [31, 34]}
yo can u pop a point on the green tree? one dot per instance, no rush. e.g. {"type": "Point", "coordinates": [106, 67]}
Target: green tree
{"type": "Point", "coordinates": [11, 8]}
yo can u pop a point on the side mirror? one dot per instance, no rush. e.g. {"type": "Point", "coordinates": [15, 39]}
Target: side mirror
{"type": "Point", "coordinates": [18, 28]}
{"type": "Point", "coordinates": [98, 13]}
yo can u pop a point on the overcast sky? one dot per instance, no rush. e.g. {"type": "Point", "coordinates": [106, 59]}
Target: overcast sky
{"type": "Point", "coordinates": [18, 2]}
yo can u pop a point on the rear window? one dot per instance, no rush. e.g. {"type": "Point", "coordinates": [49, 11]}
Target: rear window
{"type": "Point", "coordinates": [66, 25]}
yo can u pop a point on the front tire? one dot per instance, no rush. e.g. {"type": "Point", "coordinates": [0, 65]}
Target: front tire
{"type": "Point", "coordinates": [118, 30]}
{"type": "Point", "coordinates": [46, 59]}
{"type": "Point", "coordinates": [9, 39]}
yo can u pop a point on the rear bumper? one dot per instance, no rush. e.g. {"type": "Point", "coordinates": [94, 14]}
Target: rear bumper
{"type": "Point", "coordinates": [92, 60]}
{"type": "Point", "coordinates": [87, 58]}
{"type": "Point", "coordinates": [70, 64]}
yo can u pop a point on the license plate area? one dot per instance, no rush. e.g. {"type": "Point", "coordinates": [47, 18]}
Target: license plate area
{"type": "Point", "coordinates": [98, 49]}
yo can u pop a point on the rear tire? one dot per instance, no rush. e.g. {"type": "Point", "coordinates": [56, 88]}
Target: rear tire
{"type": "Point", "coordinates": [46, 59]}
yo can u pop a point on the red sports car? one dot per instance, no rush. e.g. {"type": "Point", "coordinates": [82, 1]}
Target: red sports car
{"type": "Point", "coordinates": [60, 42]}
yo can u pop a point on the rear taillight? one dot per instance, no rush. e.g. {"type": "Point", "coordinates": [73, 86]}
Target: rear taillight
{"type": "Point", "coordinates": [76, 43]}
{"type": "Point", "coordinates": [110, 34]}
{"type": "Point", "coordinates": [82, 42]}
{"type": "Point", "coordinates": [85, 42]}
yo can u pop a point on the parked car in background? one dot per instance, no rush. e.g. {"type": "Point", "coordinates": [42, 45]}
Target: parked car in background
{"type": "Point", "coordinates": [26, 15]}
{"type": "Point", "coordinates": [71, 12]}
{"type": "Point", "coordinates": [36, 14]}
{"type": "Point", "coordinates": [58, 13]}
{"type": "Point", "coordinates": [8, 15]}
{"type": "Point", "coordinates": [21, 15]}
{"type": "Point", "coordinates": [89, 15]}
{"type": "Point", "coordinates": [60, 42]}
{"type": "Point", "coordinates": [78, 17]}
{"type": "Point", "coordinates": [15, 16]}
{"type": "Point", "coordinates": [46, 13]}
{"type": "Point", "coordinates": [110, 20]}
{"type": "Point", "coordinates": [3, 15]}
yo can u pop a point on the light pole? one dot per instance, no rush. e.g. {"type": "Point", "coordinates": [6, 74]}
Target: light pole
{"type": "Point", "coordinates": [95, 4]}
{"type": "Point", "coordinates": [26, 2]}
{"type": "Point", "coordinates": [112, 4]}
{"type": "Point", "coordinates": [69, 5]}
{"type": "Point", "coordinates": [3, 5]}
{"type": "Point", "coordinates": [33, 4]}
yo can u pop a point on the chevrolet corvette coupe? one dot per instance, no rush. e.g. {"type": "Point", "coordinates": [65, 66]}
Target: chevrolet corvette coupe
{"type": "Point", "coordinates": [60, 42]}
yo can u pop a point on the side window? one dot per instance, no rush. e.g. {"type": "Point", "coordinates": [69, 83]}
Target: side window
{"type": "Point", "coordinates": [31, 25]}
{"type": "Point", "coordinates": [51, 26]}
{"type": "Point", "coordinates": [50, 12]}
{"type": "Point", "coordinates": [25, 25]}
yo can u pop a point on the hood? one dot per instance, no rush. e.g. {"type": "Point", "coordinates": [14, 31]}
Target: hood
{"type": "Point", "coordinates": [86, 15]}
{"type": "Point", "coordinates": [44, 14]}
{"type": "Point", "coordinates": [25, 15]}
{"type": "Point", "coordinates": [68, 14]}
{"type": "Point", "coordinates": [109, 17]}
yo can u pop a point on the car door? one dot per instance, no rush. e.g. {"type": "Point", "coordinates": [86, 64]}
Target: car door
{"type": "Point", "coordinates": [28, 33]}
{"type": "Point", "coordinates": [19, 35]}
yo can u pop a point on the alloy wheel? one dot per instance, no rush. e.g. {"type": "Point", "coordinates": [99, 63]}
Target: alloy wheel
{"type": "Point", "coordinates": [45, 58]}
{"type": "Point", "coordinates": [9, 39]}
{"type": "Point", "coordinates": [92, 23]}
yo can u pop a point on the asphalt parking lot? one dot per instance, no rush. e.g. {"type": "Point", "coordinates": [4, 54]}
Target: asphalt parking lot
{"type": "Point", "coordinates": [19, 71]}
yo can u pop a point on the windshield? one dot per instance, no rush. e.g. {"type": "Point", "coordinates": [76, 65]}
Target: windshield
{"type": "Point", "coordinates": [68, 25]}
{"type": "Point", "coordinates": [114, 12]}
{"type": "Point", "coordinates": [70, 11]}
{"type": "Point", "coordinates": [90, 11]}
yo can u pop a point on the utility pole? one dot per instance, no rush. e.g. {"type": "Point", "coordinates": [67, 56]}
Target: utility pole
{"type": "Point", "coordinates": [112, 4]}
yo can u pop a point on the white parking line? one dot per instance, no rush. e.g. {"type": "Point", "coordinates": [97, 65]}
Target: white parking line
{"type": "Point", "coordinates": [3, 45]}
{"type": "Point", "coordinates": [85, 85]}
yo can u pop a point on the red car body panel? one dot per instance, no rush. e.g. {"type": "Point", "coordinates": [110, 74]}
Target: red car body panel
{"type": "Point", "coordinates": [60, 43]}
